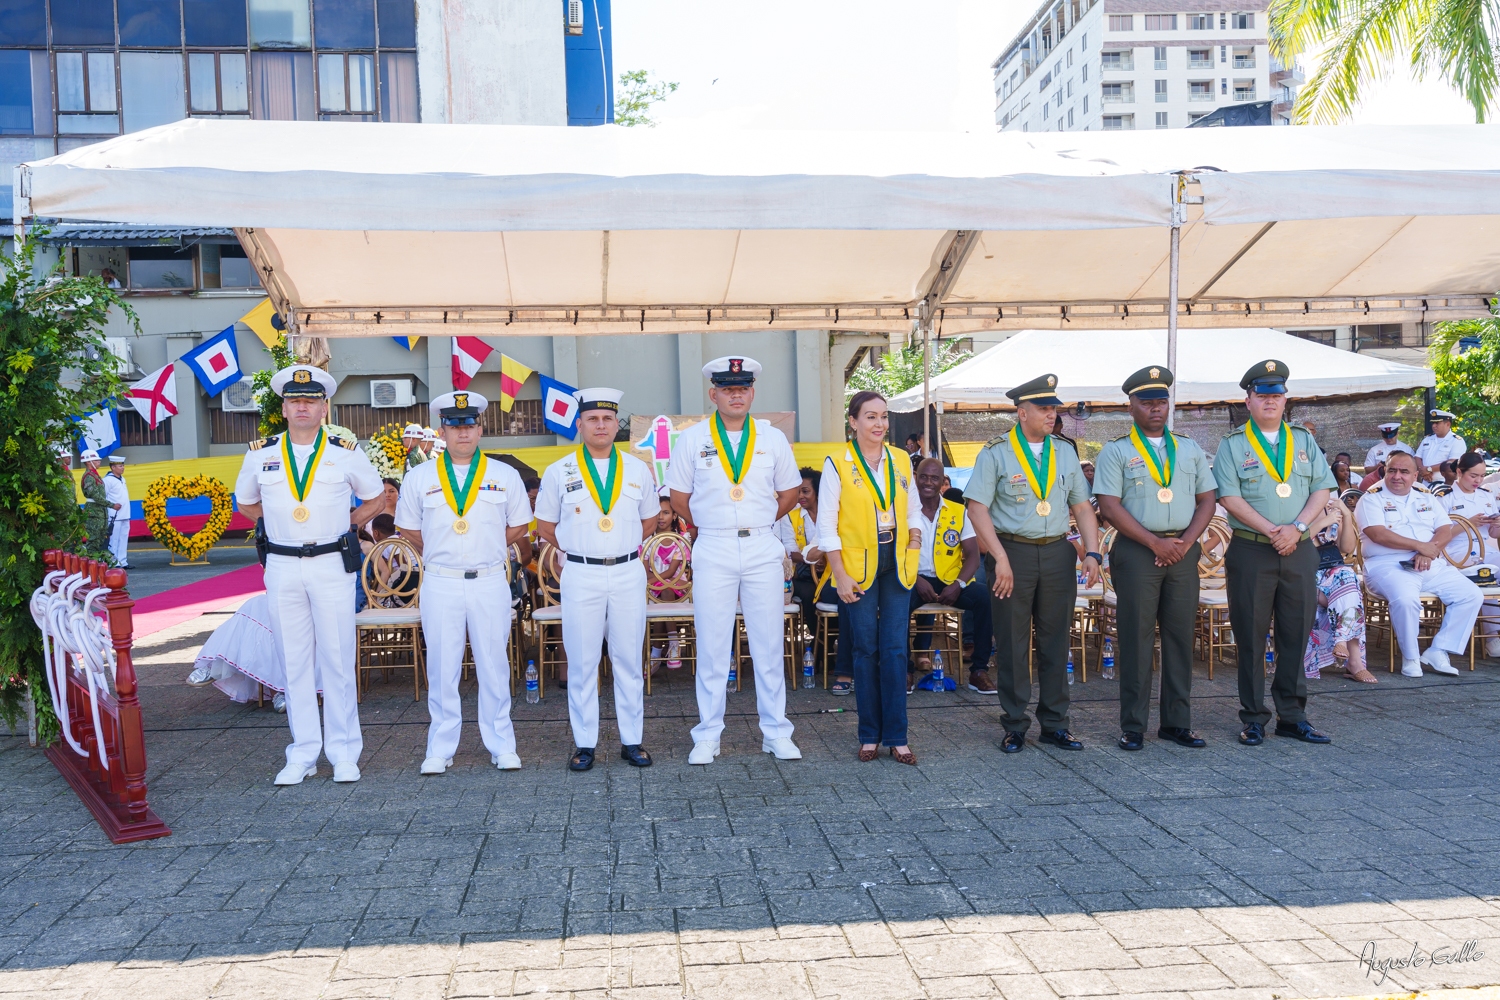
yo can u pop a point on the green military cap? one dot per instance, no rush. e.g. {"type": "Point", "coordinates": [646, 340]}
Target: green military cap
{"type": "Point", "coordinates": [1149, 383]}
{"type": "Point", "coordinates": [1266, 378]}
{"type": "Point", "coordinates": [1041, 391]}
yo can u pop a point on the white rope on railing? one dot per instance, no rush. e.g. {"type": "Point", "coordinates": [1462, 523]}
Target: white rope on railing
{"type": "Point", "coordinates": [75, 634]}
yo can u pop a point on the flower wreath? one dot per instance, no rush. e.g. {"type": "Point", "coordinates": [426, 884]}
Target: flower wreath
{"type": "Point", "coordinates": [185, 488]}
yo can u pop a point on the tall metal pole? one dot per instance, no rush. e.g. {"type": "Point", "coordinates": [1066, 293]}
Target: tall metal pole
{"type": "Point", "coordinates": [927, 442]}
{"type": "Point", "coordinates": [1179, 213]}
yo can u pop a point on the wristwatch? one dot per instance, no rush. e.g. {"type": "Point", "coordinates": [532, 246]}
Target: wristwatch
{"type": "Point", "coordinates": [1300, 526]}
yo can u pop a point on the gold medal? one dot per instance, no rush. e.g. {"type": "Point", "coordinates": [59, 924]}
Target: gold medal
{"type": "Point", "coordinates": [300, 513]}
{"type": "Point", "coordinates": [606, 523]}
{"type": "Point", "coordinates": [1164, 494]}
{"type": "Point", "coordinates": [1044, 507]}
{"type": "Point", "coordinates": [1283, 490]}
{"type": "Point", "coordinates": [737, 493]}
{"type": "Point", "coordinates": [461, 526]}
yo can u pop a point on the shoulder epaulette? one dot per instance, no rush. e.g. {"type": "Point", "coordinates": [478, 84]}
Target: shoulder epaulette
{"type": "Point", "coordinates": [1485, 488]}
{"type": "Point", "coordinates": [1375, 488]}
{"type": "Point", "coordinates": [269, 442]}
{"type": "Point", "coordinates": [349, 443]}
{"type": "Point", "coordinates": [996, 440]}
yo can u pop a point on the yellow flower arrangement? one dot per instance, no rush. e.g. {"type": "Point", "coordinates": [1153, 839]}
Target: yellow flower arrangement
{"type": "Point", "coordinates": [387, 453]}
{"type": "Point", "coordinates": [186, 488]}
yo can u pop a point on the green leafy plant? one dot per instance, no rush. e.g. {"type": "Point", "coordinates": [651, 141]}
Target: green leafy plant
{"type": "Point", "coordinates": [1465, 357]}
{"type": "Point", "coordinates": [54, 369]}
{"type": "Point", "coordinates": [901, 370]}
{"type": "Point", "coordinates": [271, 420]}
{"type": "Point", "coordinates": [636, 95]}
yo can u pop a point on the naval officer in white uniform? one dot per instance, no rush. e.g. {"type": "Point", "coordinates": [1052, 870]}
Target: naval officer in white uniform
{"type": "Point", "coordinates": [734, 477]}
{"type": "Point", "coordinates": [300, 482]}
{"type": "Point", "coordinates": [118, 495]}
{"type": "Point", "coordinates": [1442, 445]}
{"type": "Point", "coordinates": [462, 512]}
{"type": "Point", "coordinates": [1386, 446]}
{"type": "Point", "coordinates": [597, 505]}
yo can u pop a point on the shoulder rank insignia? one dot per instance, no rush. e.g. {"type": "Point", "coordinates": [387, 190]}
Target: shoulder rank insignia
{"type": "Point", "coordinates": [269, 442]}
{"type": "Point", "coordinates": [344, 442]}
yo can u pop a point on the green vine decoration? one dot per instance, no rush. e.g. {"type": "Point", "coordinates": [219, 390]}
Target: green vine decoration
{"type": "Point", "coordinates": [271, 420]}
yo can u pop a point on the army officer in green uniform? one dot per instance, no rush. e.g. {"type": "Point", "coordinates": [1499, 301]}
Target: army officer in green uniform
{"type": "Point", "coordinates": [1022, 489]}
{"type": "Point", "coordinates": [1156, 488]}
{"type": "Point", "coordinates": [1273, 480]}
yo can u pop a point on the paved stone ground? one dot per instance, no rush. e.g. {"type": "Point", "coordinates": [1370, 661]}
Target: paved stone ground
{"type": "Point", "coordinates": [1224, 872]}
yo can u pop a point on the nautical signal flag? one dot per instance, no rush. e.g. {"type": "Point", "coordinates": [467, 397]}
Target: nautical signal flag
{"type": "Point", "coordinates": [216, 361]}
{"type": "Point", "coordinates": [99, 430]}
{"type": "Point", "coordinates": [513, 375]}
{"type": "Point", "coordinates": [468, 354]}
{"type": "Point", "coordinates": [559, 407]}
{"type": "Point", "coordinates": [264, 323]}
{"type": "Point", "coordinates": [155, 396]}
{"type": "Point", "coordinates": [410, 343]}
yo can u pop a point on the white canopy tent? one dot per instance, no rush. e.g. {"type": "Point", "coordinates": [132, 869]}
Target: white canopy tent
{"type": "Point", "coordinates": [1091, 365]}
{"type": "Point", "coordinates": [492, 230]}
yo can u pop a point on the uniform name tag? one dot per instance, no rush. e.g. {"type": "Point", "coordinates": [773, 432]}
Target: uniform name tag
{"type": "Point", "coordinates": [1135, 462]}
{"type": "Point", "coordinates": [433, 489]}
{"type": "Point", "coordinates": [1250, 463]}
{"type": "Point", "coordinates": [270, 467]}
{"type": "Point", "coordinates": [570, 487]}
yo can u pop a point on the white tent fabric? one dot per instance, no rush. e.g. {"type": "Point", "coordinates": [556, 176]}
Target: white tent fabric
{"type": "Point", "coordinates": [1091, 365]}
{"type": "Point", "coordinates": [441, 229]}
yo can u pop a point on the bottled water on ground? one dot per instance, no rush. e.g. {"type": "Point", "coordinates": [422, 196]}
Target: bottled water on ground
{"type": "Point", "coordinates": [674, 655]}
{"type": "Point", "coordinates": [807, 668]}
{"type": "Point", "coordinates": [1070, 666]}
{"type": "Point", "coordinates": [938, 684]}
{"type": "Point", "coordinates": [1108, 671]}
{"type": "Point", "coordinates": [734, 674]}
{"type": "Point", "coordinates": [533, 683]}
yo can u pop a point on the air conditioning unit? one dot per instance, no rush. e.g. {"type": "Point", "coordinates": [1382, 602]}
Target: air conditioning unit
{"type": "Point", "coordinates": [389, 392]}
{"type": "Point", "coordinates": [575, 17]}
{"type": "Point", "coordinates": [120, 348]}
{"type": "Point", "coordinates": [239, 397]}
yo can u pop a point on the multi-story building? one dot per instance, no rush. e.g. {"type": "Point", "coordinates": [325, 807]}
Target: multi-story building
{"type": "Point", "coordinates": [1129, 64]}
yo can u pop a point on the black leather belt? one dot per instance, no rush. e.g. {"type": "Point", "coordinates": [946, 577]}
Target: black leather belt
{"type": "Point", "coordinates": [303, 551]}
{"type": "Point", "coordinates": [1167, 534]}
{"type": "Point", "coordinates": [1008, 537]}
{"type": "Point", "coordinates": [611, 561]}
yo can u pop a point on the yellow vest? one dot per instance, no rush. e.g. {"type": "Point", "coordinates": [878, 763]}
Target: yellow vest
{"type": "Point", "coordinates": [947, 548]}
{"type": "Point", "coordinates": [858, 525]}
{"type": "Point", "coordinates": [798, 528]}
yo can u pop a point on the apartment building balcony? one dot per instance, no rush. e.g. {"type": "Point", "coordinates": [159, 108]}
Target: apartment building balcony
{"type": "Point", "coordinates": [1282, 108]}
{"type": "Point", "coordinates": [1243, 94]}
{"type": "Point", "coordinates": [1286, 76]}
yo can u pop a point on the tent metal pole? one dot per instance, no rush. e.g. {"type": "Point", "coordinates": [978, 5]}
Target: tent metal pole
{"type": "Point", "coordinates": [1179, 213]}
{"type": "Point", "coordinates": [927, 386]}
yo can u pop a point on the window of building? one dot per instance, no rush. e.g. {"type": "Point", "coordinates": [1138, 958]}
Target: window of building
{"type": "Point", "coordinates": [1059, 123]}
{"type": "Point", "coordinates": [1122, 22]}
{"type": "Point", "coordinates": [1244, 90]}
{"type": "Point", "coordinates": [151, 88]}
{"type": "Point", "coordinates": [23, 22]}
{"type": "Point", "coordinates": [15, 92]}
{"type": "Point", "coordinates": [135, 432]}
{"type": "Point", "coordinates": [1244, 58]}
{"type": "Point", "coordinates": [1328, 337]}
{"type": "Point", "coordinates": [280, 24]}
{"type": "Point", "coordinates": [1161, 119]}
{"type": "Point", "coordinates": [1083, 46]}
{"type": "Point", "coordinates": [1058, 97]}
{"type": "Point", "coordinates": [1085, 103]}
{"type": "Point", "coordinates": [1084, 73]}
{"type": "Point", "coordinates": [1222, 50]}
{"type": "Point", "coordinates": [1159, 57]}
{"type": "Point", "coordinates": [1120, 59]}
{"type": "Point", "coordinates": [1116, 123]}
{"type": "Point", "coordinates": [398, 24]}
{"type": "Point", "coordinates": [1243, 21]}
{"type": "Point", "coordinates": [1045, 107]}
{"type": "Point", "coordinates": [1161, 92]}
{"type": "Point", "coordinates": [155, 268]}
{"type": "Point", "coordinates": [1200, 58]}
{"type": "Point", "coordinates": [1378, 335]}
{"type": "Point", "coordinates": [1200, 22]}
{"type": "Point", "coordinates": [346, 85]}
{"type": "Point", "coordinates": [150, 24]}
{"type": "Point", "coordinates": [1118, 93]}
{"type": "Point", "coordinates": [1200, 90]}
{"type": "Point", "coordinates": [1221, 20]}
{"type": "Point", "coordinates": [224, 265]}
{"type": "Point", "coordinates": [86, 85]}
{"type": "Point", "coordinates": [1224, 85]}
{"type": "Point", "coordinates": [1161, 22]}
{"type": "Point", "coordinates": [344, 24]}
{"type": "Point", "coordinates": [1070, 118]}
{"type": "Point", "coordinates": [282, 86]}
{"type": "Point", "coordinates": [1070, 86]}
{"type": "Point", "coordinates": [232, 428]}
{"type": "Point", "coordinates": [1070, 57]}
{"type": "Point", "coordinates": [1195, 115]}
{"type": "Point", "coordinates": [214, 23]}
{"type": "Point", "coordinates": [83, 22]}
{"type": "Point", "coordinates": [217, 82]}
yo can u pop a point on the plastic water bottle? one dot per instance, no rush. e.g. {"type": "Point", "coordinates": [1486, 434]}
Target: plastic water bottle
{"type": "Point", "coordinates": [807, 668]}
{"type": "Point", "coordinates": [1270, 654]}
{"type": "Point", "coordinates": [533, 683]}
{"type": "Point", "coordinates": [674, 655]}
{"type": "Point", "coordinates": [1108, 672]}
{"type": "Point", "coordinates": [938, 684]}
{"type": "Point", "coordinates": [787, 591]}
{"type": "Point", "coordinates": [734, 674]}
{"type": "Point", "coordinates": [1070, 666]}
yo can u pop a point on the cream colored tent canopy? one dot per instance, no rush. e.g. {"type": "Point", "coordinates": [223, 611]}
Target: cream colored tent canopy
{"type": "Point", "coordinates": [447, 229]}
{"type": "Point", "coordinates": [1092, 365]}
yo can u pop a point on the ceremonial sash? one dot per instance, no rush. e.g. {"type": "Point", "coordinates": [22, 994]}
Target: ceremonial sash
{"type": "Point", "coordinates": [1036, 470]}
{"type": "Point", "coordinates": [301, 483]}
{"type": "Point", "coordinates": [736, 465]}
{"type": "Point", "coordinates": [1281, 469]}
{"type": "Point", "coordinates": [607, 492]}
{"type": "Point", "coordinates": [460, 501]}
{"type": "Point", "coordinates": [1160, 472]}
{"type": "Point", "coordinates": [882, 500]}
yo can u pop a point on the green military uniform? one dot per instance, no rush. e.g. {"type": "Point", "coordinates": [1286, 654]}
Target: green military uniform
{"type": "Point", "coordinates": [1043, 562]}
{"type": "Point", "coordinates": [1151, 596]}
{"type": "Point", "coordinates": [1258, 580]}
{"type": "Point", "coordinates": [95, 514]}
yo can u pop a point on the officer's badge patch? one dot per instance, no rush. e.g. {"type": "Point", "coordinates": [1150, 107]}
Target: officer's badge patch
{"type": "Point", "coordinates": [1051, 381]}
{"type": "Point", "coordinates": [461, 400]}
{"type": "Point", "coordinates": [950, 538]}
{"type": "Point", "coordinates": [902, 480]}
{"type": "Point", "coordinates": [1156, 373]}
{"type": "Point", "coordinates": [1301, 456]}
{"type": "Point", "coordinates": [1270, 366]}
{"type": "Point", "coordinates": [736, 365]}
{"type": "Point", "coordinates": [302, 376]}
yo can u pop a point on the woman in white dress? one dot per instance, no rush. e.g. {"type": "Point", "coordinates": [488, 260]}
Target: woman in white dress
{"type": "Point", "coordinates": [1476, 503]}
{"type": "Point", "coordinates": [242, 656]}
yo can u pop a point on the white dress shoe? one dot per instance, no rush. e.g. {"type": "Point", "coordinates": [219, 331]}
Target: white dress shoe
{"type": "Point", "coordinates": [1411, 668]}
{"type": "Point", "coordinates": [506, 761]}
{"type": "Point", "coordinates": [346, 771]}
{"type": "Point", "coordinates": [278, 703]}
{"type": "Point", "coordinates": [1437, 659]}
{"type": "Point", "coordinates": [703, 753]}
{"type": "Point", "coordinates": [782, 747]}
{"type": "Point", "coordinates": [436, 765]}
{"type": "Point", "coordinates": [201, 676]}
{"type": "Point", "coordinates": [1492, 648]}
{"type": "Point", "coordinates": [293, 774]}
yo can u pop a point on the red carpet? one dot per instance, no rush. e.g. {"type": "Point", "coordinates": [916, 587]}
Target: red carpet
{"type": "Point", "coordinates": [171, 607]}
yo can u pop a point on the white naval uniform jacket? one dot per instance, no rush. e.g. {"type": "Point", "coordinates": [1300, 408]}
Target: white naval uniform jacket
{"type": "Point", "coordinates": [695, 469]}
{"type": "Point", "coordinates": [501, 503]}
{"type": "Point", "coordinates": [1417, 516]}
{"type": "Point", "coordinates": [564, 499]}
{"type": "Point", "coordinates": [344, 470]}
{"type": "Point", "coordinates": [1471, 505]}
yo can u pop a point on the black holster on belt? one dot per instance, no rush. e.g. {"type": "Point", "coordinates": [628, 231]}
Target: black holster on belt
{"type": "Point", "coordinates": [350, 550]}
{"type": "Point", "coordinates": [261, 541]}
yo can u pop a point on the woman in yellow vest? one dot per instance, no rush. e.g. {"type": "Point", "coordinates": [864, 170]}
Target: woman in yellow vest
{"type": "Point", "coordinates": [866, 501]}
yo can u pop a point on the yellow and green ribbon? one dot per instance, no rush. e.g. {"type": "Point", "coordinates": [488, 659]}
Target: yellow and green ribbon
{"type": "Point", "coordinates": [1160, 472]}
{"type": "Point", "coordinates": [460, 501]}
{"type": "Point", "coordinates": [610, 487]}
{"type": "Point", "coordinates": [735, 464]}
{"type": "Point", "coordinates": [301, 482]}
{"type": "Point", "coordinates": [1281, 469]}
{"type": "Point", "coordinates": [1037, 470]}
{"type": "Point", "coordinates": [882, 500]}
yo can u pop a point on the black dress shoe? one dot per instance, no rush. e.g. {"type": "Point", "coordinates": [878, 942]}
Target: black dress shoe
{"type": "Point", "coordinates": [583, 759]}
{"type": "Point", "coordinates": [1060, 738]}
{"type": "Point", "coordinates": [636, 755]}
{"type": "Point", "coordinates": [1253, 735]}
{"type": "Point", "coordinates": [1131, 741]}
{"type": "Point", "coordinates": [1013, 743]}
{"type": "Point", "coordinates": [1181, 736]}
{"type": "Point", "coordinates": [1303, 731]}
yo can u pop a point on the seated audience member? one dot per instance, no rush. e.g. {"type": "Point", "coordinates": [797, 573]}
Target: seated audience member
{"type": "Point", "coordinates": [798, 532]}
{"type": "Point", "coordinates": [1341, 473]}
{"type": "Point", "coordinates": [1338, 632]}
{"type": "Point", "coordinates": [1405, 531]}
{"type": "Point", "coordinates": [1372, 476]}
{"type": "Point", "coordinates": [1482, 509]}
{"type": "Point", "coordinates": [946, 569]}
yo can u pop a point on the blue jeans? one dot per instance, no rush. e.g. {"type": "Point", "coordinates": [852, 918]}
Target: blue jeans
{"type": "Point", "coordinates": [878, 628]}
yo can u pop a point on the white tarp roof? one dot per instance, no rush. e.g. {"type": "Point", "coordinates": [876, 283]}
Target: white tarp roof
{"type": "Point", "coordinates": [443, 229]}
{"type": "Point", "coordinates": [1091, 365]}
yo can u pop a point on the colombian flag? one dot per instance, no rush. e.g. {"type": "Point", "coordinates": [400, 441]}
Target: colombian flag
{"type": "Point", "coordinates": [513, 375]}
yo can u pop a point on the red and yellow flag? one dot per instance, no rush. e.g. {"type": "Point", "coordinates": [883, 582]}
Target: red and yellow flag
{"type": "Point", "coordinates": [513, 375]}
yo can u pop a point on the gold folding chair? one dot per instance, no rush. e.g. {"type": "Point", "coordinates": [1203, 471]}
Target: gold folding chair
{"type": "Point", "coordinates": [388, 633]}
{"type": "Point", "coordinates": [1213, 633]}
{"type": "Point", "coordinates": [669, 600]}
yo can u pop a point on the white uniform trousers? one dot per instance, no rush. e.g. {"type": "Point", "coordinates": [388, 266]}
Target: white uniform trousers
{"type": "Point", "coordinates": [726, 570]}
{"type": "Point", "coordinates": [599, 601]}
{"type": "Point", "coordinates": [1401, 589]}
{"type": "Point", "coordinates": [452, 607]}
{"type": "Point", "coordinates": [312, 614]}
{"type": "Point", "coordinates": [119, 538]}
